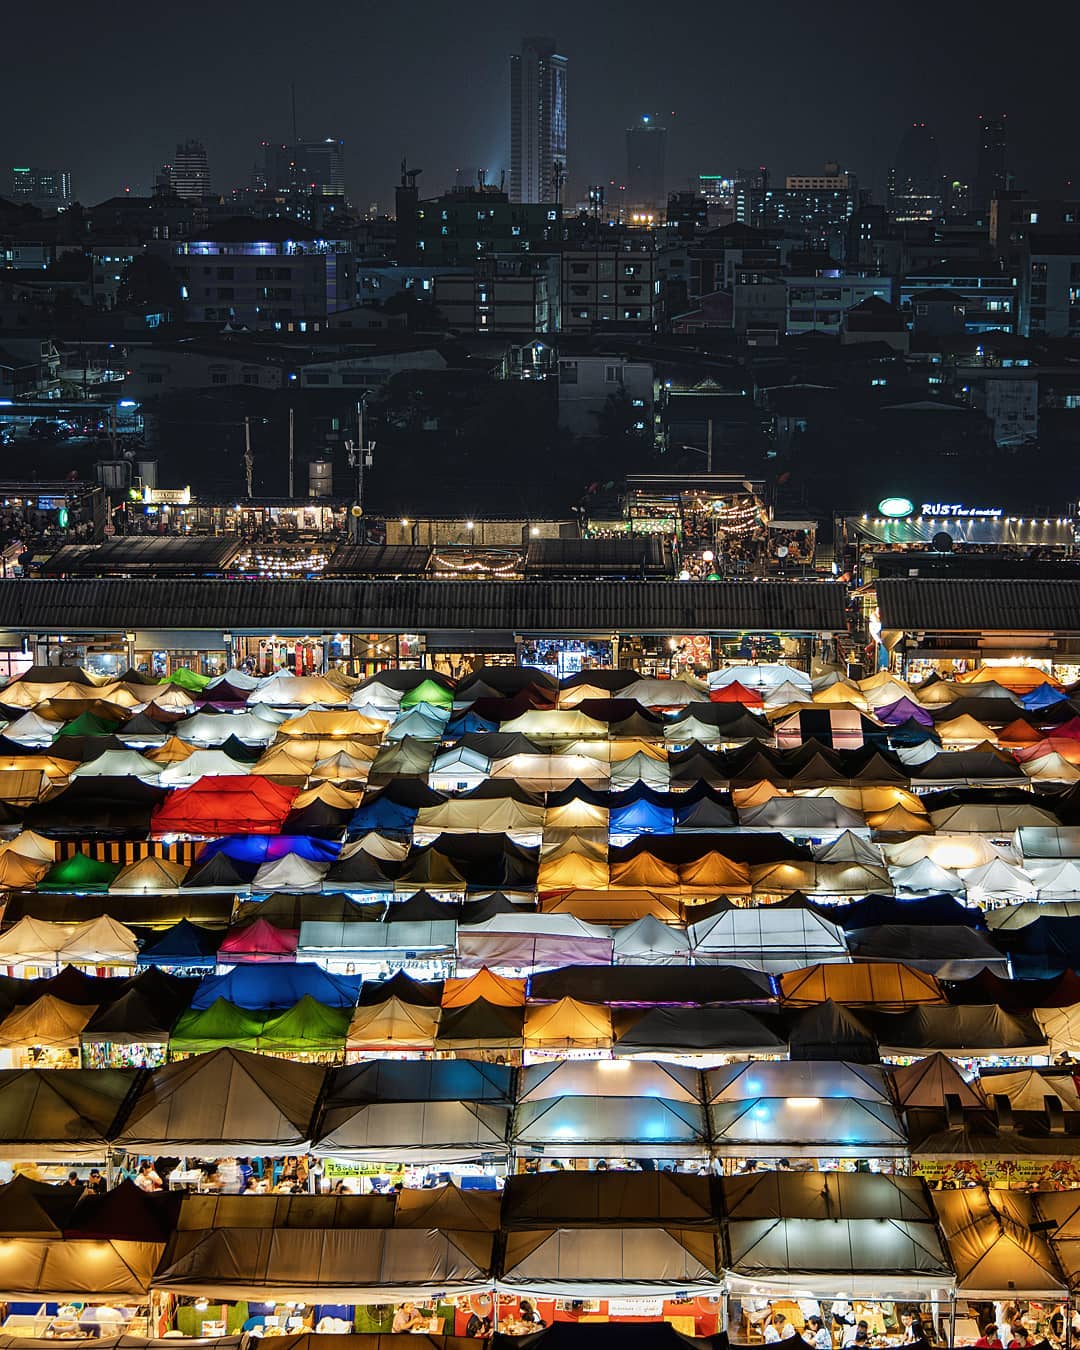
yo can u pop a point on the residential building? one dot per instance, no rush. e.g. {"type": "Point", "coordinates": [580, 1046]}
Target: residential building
{"type": "Point", "coordinates": [877, 321]}
{"type": "Point", "coordinates": [465, 224]}
{"type": "Point", "coordinates": [991, 293]}
{"type": "Point", "coordinates": [646, 159]}
{"type": "Point", "coordinates": [29, 368]}
{"type": "Point", "coordinates": [501, 295]}
{"type": "Point", "coordinates": [188, 176]}
{"type": "Point", "coordinates": [831, 180]}
{"type": "Point", "coordinates": [591, 382]}
{"type": "Point", "coordinates": [1050, 286]}
{"type": "Point", "coordinates": [759, 307]}
{"type": "Point", "coordinates": [378, 280]}
{"type": "Point", "coordinates": [538, 140]}
{"type": "Point", "coordinates": [47, 189]}
{"type": "Point", "coordinates": [613, 284]}
{"type": "Point", "coordinates": [262, 274]}
{"type": "Point", "coordinates": [1013, 215]}
{"type": "Point", "coordinates": [991, 173]}
{"type": "Point", "coordinates": [817, 304]}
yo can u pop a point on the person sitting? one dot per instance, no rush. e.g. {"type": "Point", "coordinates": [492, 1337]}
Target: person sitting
{"type": "Point", "coordinates": [147, 1178]}
{"type": "Point", "coordinates": [817, 1333]}
{"type": "Point", "coordinates": [778, 1329]}
{"type": "Point", "coordinates": [989, 1340]}
{"type": "Point", "coordinates": [407, 1318]}
{"type": "Point", "coordinates": [527, 1313]}
{"type": "Point", "coordinates": [1021, 1337]}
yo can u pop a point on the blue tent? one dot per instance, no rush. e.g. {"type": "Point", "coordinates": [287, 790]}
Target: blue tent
{"type": "Point", "coordinates": [263, 987]}
{"type": "Point", "coordinates": [1049, 946]}
{"type": "Point", "coordinates": [384, 815]}
{"type": "Point", "coordinates": [641, 817]}
{"type": "Point", "coordinates": [258, 848]}
{"type": "Point", "coordinates": [466, 722]}
{"type": "Point", "coordinates": [880, 911]}
{"type": "Point", "coordinates": [184, 944]}
{"type": "Point", "coordinates": [1042, 696]}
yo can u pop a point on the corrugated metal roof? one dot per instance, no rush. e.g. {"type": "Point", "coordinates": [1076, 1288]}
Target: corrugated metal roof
{"type": "Point", "coordinates": [530, 607]}
{"type": "Point", "coordinates": [643, 556]}
{"type": "Point", "coordinates": [973, 605]}
{"type": "Point", "coordinates": [146, 555]}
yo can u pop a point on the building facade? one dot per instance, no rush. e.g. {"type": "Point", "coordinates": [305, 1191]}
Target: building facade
{"type": "Point", "coordinates": [610, 285]}
{"type": "Point", "coordinates": [538, 141]}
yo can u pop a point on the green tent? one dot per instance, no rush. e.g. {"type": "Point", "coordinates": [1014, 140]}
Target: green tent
{"type": "Point", "coordinates": [307, 1028]}
{"type": "Point", "coordinates": [222, 1026]}
{"type": "Point", "coordinates": [80, 872]}
{"type": "Point", "coordinates": [88, 724]}
{"type": "Point", "coordinates": [188, 679]}
{"type": "Point", "coordinates": [428, 691]}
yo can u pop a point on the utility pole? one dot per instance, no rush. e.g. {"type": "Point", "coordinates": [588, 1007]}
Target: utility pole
{"type": "Point", "coordinates": [708, 462]}
{"type": "Point", "coordinates": [249, 458]}
{"type": "Point", "coordinates": [361, 456]}
{"type": "Point", "coordinates": [292, 452]}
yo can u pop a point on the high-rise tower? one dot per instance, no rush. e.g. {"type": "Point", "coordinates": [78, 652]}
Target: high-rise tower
{"type": "Point", "coordinates": [537, 122]}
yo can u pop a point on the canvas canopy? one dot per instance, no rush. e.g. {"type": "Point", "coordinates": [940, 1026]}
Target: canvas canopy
{"type": "Point", "coordinates": [648, 941]}
{"type": "Point", "coordinates": [222, 1103]}
{"type": "Point", "coordinates": [992, 1248]}
{"type": "Point", "coordinates": [47, 1022]}
{"type": "Point", "coordinates": [590, 1108]}
{"type": "Point", "coordinates": [567, 1024]}
{"type": "Point", "coordinates": [58, 1271]}
{"type": "Point", "coordinates": [393, 1025]}
{"type": "Point", "coordinates": [929, 1082]}
{"type": "Point", "coordinates": [52, 1115]}
{"type": "Point", "coordinates": [885, 984]}
{"type": "Point", "coordinates": [767, 937]}
{"type": "Point", "coordinates": [416, 1111]}
{"type": "Point", "coordinates": [607, 1262]}
{"type": "Point", "coordinates": [710, 1031]}
{"type": "Point", "coordinates": [261, 987]}
{"type": "Point", "coordinates": [959, 1031]}
{"type": "Point", "coordinates": [525, 941]}
{"type": "Point", "coordinates": [96, 942]}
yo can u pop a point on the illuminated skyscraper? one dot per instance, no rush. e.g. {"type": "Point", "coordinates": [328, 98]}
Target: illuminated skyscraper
{"type": "Point", "coordinates": [537, 122]}
{"type": "Point", "coordinates": [189, 173]}
{"type": "Point", "coordinates": [304, 167]}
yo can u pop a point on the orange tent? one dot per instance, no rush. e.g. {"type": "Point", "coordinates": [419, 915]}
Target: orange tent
{"type": "Point", "coordinates": [714, 874]}
{"type": "Point", "coordinates": [1020, 679]}
{"type": "Point", "coordinates": [645, 870]}
{"type": "Point", "coordinates": [503, 993]}
{"type": "Point", "coordinates": [888, 985]}
{"type": "Point", "coordinates": [1019, 732]}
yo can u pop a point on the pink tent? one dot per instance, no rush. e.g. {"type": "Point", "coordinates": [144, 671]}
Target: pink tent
{"type": "Point", "coordinates": [259, 941]}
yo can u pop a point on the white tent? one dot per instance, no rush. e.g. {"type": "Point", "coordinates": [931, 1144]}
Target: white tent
{"type": "Point", "coordinates": [640, 768]}
{"type": "Point", "coordinates": [201, 764]}
{"type": "Point", "coordinates": [998, 880]}
{"type": "Point", "coordinates": [459, 769]}
{"type": "Point", "coordinates": [947, 850]}
{"type": "Point", "coordinates": [651, 693]}
{"type": "Point", "coordinates": [761, 677]}
{"type": "Point", "coordinates": [849, 847]}
{"type": "Point", "coordinates": [818, 816]}
{"type": "Point", "coordinates": [96, 942]}
{"type": "Point", "coordinates": [533, 942]}
{"type": "Point", "coordinates": [804, 1108]}
{"type": "Point", "coordinates": [593, 1108]}
{"type": "Point", "coordinates": [925, 877]}
{"type": "Point", "coordinates": [210, 729]}
{"type": "Point", "coordinates": [32, 729]}
{"type": "Point", "coordinates": [770, 938]}
{"type": "Point", "coordinates": [649, 942]}
{"type": "Point", "coordinates": [290, 873]}
{"type": "Point", "coordinates": [357, 940]}
{"type": "Point", "coordinates": [1056, 880]}
{"type": "Point", "coordinates": [298, 691]}
{"type": "Point", "coordinates": [118, 764]}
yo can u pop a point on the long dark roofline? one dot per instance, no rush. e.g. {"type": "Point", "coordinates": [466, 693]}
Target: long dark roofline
{"type": "Point", "coordinates": [523, 607]}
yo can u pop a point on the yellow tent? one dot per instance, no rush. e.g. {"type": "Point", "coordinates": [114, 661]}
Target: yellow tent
{"type": "Point", "coordinates": [782, 878]}
{"type": "Point", "coordinates": [171, 751]}
{"type": "Point", "coordinates": [566, 723]}
{"type": "Point", "coordinates": [567, 1025]}
{"type": "Point", "coordinates": [964, 730]}
{"type": "Point", "coordinates": [756, 795]}
{"type": "Point", "coordinates": [714, 874]}
{"type": "Point", "coordinates": [330, 794]}
{"type": "Point", "coordinates": [572, 873]}
{"type": "Point", "coordinates": [17, 872]}
{"type": "Point", "coordinates": [290, 762]}
{"type": "Point", "coordinates": [48, 1022]}
{"type": "Point", "coordinates": [579, 844]}
{"type": "Point", "coordinates": [150, 875]}
{"type": "Point", "coordinates": [27, 694]}
{"type": "Point", "coordinates": [33, 846]}
{"type": "Point", "coordinates": [392, 1025]}
{"type": "Point", "coordinates": [870, 799]}
{"type": "Point", "coordinates": [614, 907]}
{"type": "Point", "coordinates": [333, 722]}
{"type": "Point", "coordinates": [888, 985]}
{"type": "Point", "coordinates": [1020, 679]}
{"type": "Point", "coordinates": [928, 1081]}
{"type": "Point", "coordinates": [576, 814]}
{"type": "Point", "coordinates": [486, 985]}
{"type": "Point", "coordinates": [843, 692]}
{"type": "Point", "coordinates": [173, 699]}
{"type": "Point", "coordinates": [645, 870]}
{"type": "Point", "coordinates": [342, 767]}
{"type": "Point", "coordinates": [898, 820]}
{"type": "Point", "coordinates": [22, 787]}
{"type": "Point", "coordinates": [947, 850]}
{"type": "Point", "coordinates": [52, 766]}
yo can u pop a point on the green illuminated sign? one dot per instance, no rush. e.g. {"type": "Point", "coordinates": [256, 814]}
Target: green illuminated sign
{"type": "Point", "coordinates": [896, 507]}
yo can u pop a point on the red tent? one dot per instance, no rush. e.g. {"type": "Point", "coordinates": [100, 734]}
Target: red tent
{"type": "Point", "coordinates": [225, 804]}
{"type": "Point", "coordinates": [1070, 729]}
{"type": "Point", "coordinates": [736, 693]}
{"type": "Point", "coordinates": [260, 941]}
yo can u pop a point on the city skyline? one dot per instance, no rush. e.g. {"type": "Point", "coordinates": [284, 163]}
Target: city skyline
{"type": "Point", "coordinates": [415, 104]}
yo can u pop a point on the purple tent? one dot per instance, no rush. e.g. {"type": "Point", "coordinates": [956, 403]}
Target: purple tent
{"type": "Point", "coordinates": [903, 710]}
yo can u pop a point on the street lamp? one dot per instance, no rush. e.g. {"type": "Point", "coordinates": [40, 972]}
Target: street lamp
{"type": "Point", "coordinates": [361, 456]}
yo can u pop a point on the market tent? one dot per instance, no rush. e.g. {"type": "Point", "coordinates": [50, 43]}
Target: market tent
{"type": "Point", "coordinates": [766, 937]}
{"type": "Point", "coordinates": [1047, 946]}
{"type": "Point", "coordinates": [58, 1271]}
{"type": "Point", "coordinates": [651, 985]}
{"type": "Point", "coordinates": [1053, 767]}
{"type": "Point", "coordinates": [485, 984]}
{"type": "Point", "coordinates": [222, 1103]}
{"type": "Point", "coordinates": [528, 941]}
{"type": "Point", "coordinates": [306, 1030]}
{"type": "Point", "coordinates": [948, 951]}
{"type": "Point", "coordinates": [709, 1031]}
{"type": "Point", "coordinates": [992, 1248]}
{"type": "Point", "coordinates": [79, 873]}
{"type": "Point", "coordinates": [221, 1026]}
{"type": "Point", "coordinates": [990, 818]}
{"type": "Point", "coordinates": [57, 1115]}
{"type": "Point", "coordinates": [130, 1020]}
{"type": "Point", "coordinates": [290, 873]}
{"type": "Point", "coordinates": [869, 1233]}
{"type": "Point", "coordinates": [886, 984]}
{"type": "Point", "coordinates": [224, 805]}
{"type": "Point", "coordinates": [214, 729]}
{"type": "Point", "coordinates": [478, 815]}
{"type": "Point", "coordinates": [576, 813]}
{"type": "Point", "coordinates": [392, 1025]}
{"type": "Point", "coordinates": [624, 1199]}
{"type": "Point", "coordinates": [258, 941]}
{"type": "Point", "coordinates": [33, 847]}
{"type": "Point", "coordinates": [416, 993]}
{"type": "Point", "coordinates": [648, 941]}
{"type": "Point", "coordinates": [842, 728]}
{"type": "Point", "coordinates": [567, 1024]}
{"type": "Point", "coordinates": [962, 1032]}
{"type": "Point", "coordinates": [762, 677]}
{"type": "Point", "coordinates": [1017, 679]}
{"type": "Point", "coordinates": [219, 872]}
{"type": "Point", "coordinates": [625, 1107]}
{"type": "Point", "coordinates": [338, 722]}
{"type": "Point", "coordinates": [818, 816]}
{"type": "Point", "coordinates": [849, 847]}
{"type": "Point", "coordinates": [1028, 1089]}
{"type": "Point", "coordinates": [200, 764]}
{"type": "Point", "coordinates": [328, 1265]}
{"type": "Point", "coordinates": [149, 875]}
{"type": "Point", "coordinates": [1058, 880]}
{"type": "Point", "coordinates": [1006, 917]}
{"type": "Point", "coordinates": [280, 986]}
{"type": "Point", "coordinates": [770, 1109]}
{"type": "Point", "coordinates": [830, 1031]}
{"type": "Point", "coordinates": [388, 941]}
{"type": "Point", "coordinates": [118, 764]}
{"type": "Point", "coordinates": [48, 1022]}
{"type": "Point", "coordinates": [415, 1111]}
{"type": "Point", "coordinates": [644, 814]}
{"type": "Point", "coordinates": [34, 1208]}
{"type": "Point", "coordinates": [18, 873]}
{"type": "Point", "coordinates": [608, 1262]}
{"type": "Point", "coordinates": [100, 941]}
{"type": "Point", "coordinates": [930, 1081]}
{"type": "Point", "coordinates": [949, 851]}
{"type": "Point", "coordinates": [925, 877]}
{"type": "Point", "coordinates": [297, 691]}
{"type": "Point", "coordinates": [998, 880]}
{"type": "Point", "coordinates": [32, 729]}
{"type": "Point", "coordinates": [480, 1026]}
{"type": "Point", "coordinates": [1061, 1027]}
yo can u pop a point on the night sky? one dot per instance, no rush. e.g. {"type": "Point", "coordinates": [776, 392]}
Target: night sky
{"type": "Point", "coordinates": [107, 90]}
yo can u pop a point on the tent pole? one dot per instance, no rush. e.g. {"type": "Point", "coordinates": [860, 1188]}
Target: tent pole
{"type": "Point", "coordinates": [952, 1320]}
